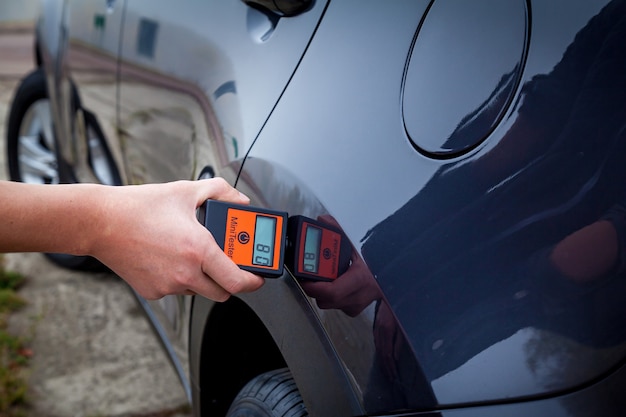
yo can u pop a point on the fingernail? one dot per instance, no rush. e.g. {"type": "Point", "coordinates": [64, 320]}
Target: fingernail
{"type": "Point", "coordinates": [243, 196]}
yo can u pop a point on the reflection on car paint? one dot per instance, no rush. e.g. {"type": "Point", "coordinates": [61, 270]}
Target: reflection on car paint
{"type": "Point", "coordinates": [545, 273]}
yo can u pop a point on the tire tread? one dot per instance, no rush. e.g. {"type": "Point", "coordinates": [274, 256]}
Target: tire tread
{"type": "Point", "coordinates": [274, 392]}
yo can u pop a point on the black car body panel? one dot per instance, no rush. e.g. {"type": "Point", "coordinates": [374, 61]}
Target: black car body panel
{"type": "Point", "coordinates": [469, 150]}
{"type": "Point", "coordinates": [460, 247]}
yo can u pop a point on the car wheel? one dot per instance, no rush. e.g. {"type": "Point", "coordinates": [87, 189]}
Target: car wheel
{"type": "Point", "coordinates": [30, 141]}
{"type": "Point", "coordinates": [31, 149]}
{"type": "Point", "coordinates": [271, 394]}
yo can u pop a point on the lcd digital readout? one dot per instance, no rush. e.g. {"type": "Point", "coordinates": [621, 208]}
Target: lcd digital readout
{"type": "Point", "coordinates": [264, 238]}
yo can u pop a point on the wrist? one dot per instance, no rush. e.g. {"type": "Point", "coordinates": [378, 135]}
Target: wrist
{"type": "Point", "coordinates": [82, 217]}
{"type": "Point", "coordinates": [98, 224]}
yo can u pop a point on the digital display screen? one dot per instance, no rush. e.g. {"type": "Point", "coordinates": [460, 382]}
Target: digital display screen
{"type": "Point", "coordinates": [264, 238]}
{"type": "Point", "coordinates": [312, 240]}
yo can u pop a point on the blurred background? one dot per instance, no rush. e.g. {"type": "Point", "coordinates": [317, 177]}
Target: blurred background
{"type": "Point", "coordinates": [22, 11]}
{"type": "Point", "coordinates": [86, 348]}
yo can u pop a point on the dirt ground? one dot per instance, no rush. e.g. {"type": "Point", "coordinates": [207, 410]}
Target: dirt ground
{"type": "Point", "coordinates": [95, 354]}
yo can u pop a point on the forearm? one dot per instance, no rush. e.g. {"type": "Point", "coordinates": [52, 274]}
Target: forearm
{"type": "Point", "coordinates": [147, 234]}
{"type": "Point", "coordinates": [49, 218]}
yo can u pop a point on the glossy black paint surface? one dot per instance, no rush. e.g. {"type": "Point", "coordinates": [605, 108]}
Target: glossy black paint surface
{"type": "Point", "coordinates": [603, 398]}
{"type": "Point", "coordinates": [463, 250]}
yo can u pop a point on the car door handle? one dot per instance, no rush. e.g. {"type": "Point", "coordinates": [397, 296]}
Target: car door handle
{"type": "Point", "coordinates": [282, 8]}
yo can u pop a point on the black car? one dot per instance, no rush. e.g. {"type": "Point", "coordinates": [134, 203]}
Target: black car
{"type": "Point", "coordinates": [473, 154]}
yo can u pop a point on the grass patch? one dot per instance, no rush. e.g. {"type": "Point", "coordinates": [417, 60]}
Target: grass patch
{"type": "Point", "coordinates": [14, 355]}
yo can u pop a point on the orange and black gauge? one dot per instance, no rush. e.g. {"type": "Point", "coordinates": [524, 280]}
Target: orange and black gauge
{"type": "Point", "coordinates": [316, 251]}
{"type": "Point", "coordinates": [252, 237]}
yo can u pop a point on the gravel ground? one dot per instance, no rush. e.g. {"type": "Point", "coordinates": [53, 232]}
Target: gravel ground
{"type": "Point", "coordinates": [95, 354]}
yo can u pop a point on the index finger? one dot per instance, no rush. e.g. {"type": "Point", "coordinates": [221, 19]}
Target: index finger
{"type": "Point", "coordinates": [219, 189]}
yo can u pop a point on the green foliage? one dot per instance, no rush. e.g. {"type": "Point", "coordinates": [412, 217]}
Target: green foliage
{"type": "Point", "coordinates": [13, 354]}
{"type": "Point", "coordinates": [10, 280]}
{"type": "Point", "coordinates": [10, 301]}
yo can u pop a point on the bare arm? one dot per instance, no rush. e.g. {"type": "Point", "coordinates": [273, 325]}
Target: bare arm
{"type": "Point", "coordinates": [147, 234]}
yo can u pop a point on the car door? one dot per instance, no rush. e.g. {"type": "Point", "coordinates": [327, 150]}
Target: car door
{"type": "Point", "coordinates": [197, 82]}
{"type": "Point", "coordinates": [87, 83]}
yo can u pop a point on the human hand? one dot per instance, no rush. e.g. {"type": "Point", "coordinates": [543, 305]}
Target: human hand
{"type": "Point", "coordinates": [351, 292]}
{"type": "Point", "coordinates": [149, 236]}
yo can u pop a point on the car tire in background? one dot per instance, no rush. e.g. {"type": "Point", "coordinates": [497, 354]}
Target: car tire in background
{"type": "Point", "coordinates": [31, 150]}
{"type": "Point", "coordinates": [271, 394]}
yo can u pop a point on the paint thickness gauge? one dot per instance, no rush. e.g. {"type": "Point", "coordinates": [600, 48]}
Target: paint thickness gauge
{"type": "Point", "coordinates": [262, 241]}
{"type": "Point", "coordinates": [252, 237]}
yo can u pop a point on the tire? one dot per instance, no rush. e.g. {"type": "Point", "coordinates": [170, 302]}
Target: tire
{"type": "Point", "coordinates": [31, 150]}
{"type": "Point", "coordinates": [272, 394]}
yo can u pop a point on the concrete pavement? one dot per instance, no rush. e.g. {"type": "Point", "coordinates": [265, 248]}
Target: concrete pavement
{"type": "Point", "coordinates": [94, 352]}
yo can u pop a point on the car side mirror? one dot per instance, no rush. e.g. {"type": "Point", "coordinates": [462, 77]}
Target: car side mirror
{"type": "Point", "coordinates": [282, 8]}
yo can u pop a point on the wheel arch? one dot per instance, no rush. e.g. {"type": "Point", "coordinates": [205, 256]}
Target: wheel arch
{"type": "Point", "coordinates": [233, 334]}
{"type": "Point", "coordinates": [265, 330]}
